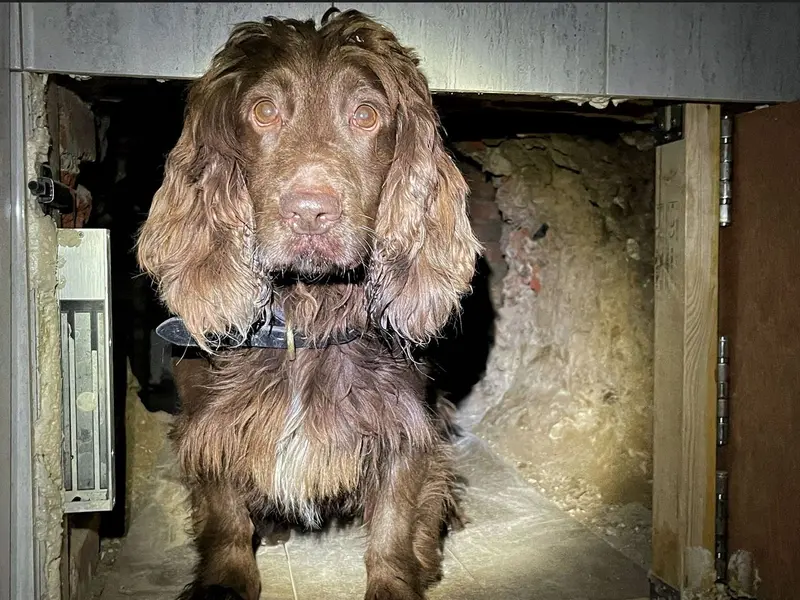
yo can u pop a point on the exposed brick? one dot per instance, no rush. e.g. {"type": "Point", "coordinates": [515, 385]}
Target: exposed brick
{"type": "Point", "coordinates": [482, 191]}
{"type": "Point", "coordinates": [493, 252]}
{"type": "Point", "coordinates": [489, 231]}
{"type": "Point", "coordinates": [479, 188]}
{"type": "Point", "coordinates": [83, 209]}
{"type": "Point", "coordinates": [468, 147]}
{"type": "Point", "coordinates": [68, 178]}
{"type": "Point", "coordinates": [481, 211]}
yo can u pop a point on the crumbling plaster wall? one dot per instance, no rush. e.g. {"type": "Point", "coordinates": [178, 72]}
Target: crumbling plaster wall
{"type": "Point", "coordinates": [42, 246]}
{"type": "Point", "coordinates": [567, 394]}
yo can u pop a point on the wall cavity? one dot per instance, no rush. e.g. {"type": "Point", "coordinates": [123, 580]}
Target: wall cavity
{"type": "Point", "coordinates": [567, 394]}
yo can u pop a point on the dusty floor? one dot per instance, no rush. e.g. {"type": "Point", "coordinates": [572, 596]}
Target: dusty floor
{"type": "Point", "coordinates": [519, 546]}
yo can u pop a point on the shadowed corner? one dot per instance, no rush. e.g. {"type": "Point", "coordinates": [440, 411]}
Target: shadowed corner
{"type": "Point", "coordinates": [459, 356]}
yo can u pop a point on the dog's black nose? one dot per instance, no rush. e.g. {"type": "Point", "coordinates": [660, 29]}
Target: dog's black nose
{"type": "Point", "coordinates": [310, 211]}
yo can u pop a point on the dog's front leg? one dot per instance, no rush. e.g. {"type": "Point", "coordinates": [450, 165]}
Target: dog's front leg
{"type": "Point", "coordinates": [403, 513]}
{"type": "Point", "coordinates": [223, 532]}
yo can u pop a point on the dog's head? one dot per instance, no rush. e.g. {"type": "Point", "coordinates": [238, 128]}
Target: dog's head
{"type": "Point", "coordinates": [310, 152]}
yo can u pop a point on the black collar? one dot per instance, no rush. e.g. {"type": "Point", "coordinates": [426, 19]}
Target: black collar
{"type": "Point", "coordinates": [270, 334]}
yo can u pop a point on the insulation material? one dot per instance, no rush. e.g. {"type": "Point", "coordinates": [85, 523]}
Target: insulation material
{"type": "Point", "coordinates": [568, 389]}
{"type": "Point", "coordinates": [147, 438]}
{"type": "Point", "coordinates": [743, 578]}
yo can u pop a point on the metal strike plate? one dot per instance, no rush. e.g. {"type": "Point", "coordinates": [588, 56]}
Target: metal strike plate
{"type": "Point", "coordinates": [86, 363]}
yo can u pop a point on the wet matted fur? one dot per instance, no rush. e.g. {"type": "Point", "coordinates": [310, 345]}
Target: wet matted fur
{"type": "Point", "coordinates": [311, 181]}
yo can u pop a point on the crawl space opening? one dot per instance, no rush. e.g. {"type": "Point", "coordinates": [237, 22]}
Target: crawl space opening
{"type": "Point", "coordinates": [550, 365]}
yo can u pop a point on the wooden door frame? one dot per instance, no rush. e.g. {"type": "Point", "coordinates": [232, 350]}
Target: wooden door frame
{"type": "Point", "coordinates": [685, 356]}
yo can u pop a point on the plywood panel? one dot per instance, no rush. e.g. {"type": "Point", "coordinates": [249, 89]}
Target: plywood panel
{"type": "Point", "coordinates": [760, 312]}
{"type": "Point", "coordinates": [699, 50]}
{"type": "Point", "coordinates": [511, 47]}
{"type": "Point", "coordinates": [704, 50]}
{"type": "Point", "coordinates": [482, 46]}
{"type": "Point", "coordinates": [150, 39]}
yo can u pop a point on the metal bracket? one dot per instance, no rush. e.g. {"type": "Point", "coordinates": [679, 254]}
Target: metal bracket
{"type": "Point", "coordinates": [721, 526]}
{"type": "Point", "coordinates": [662, 591]}
{"type": "Point", "coordinates": [725, 170]}
{"type": "Point", "coordinates": [669, 124]}
{"type": "Point", "coordinates": [723, 390]}
{"type": "Point", "coordinates": [51, 194]}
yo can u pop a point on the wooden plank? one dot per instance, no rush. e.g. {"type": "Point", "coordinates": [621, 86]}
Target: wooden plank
{"type": "Point", "coordinates": [684, 454]}
{"type": "Point", "coordinates": [668, 358]}
{"type": "Point", "coordinates": [702, 131]}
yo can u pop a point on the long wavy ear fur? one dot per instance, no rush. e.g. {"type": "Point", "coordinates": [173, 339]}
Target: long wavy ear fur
{"type": "Point", "coordinates": [425, 251]}
{"type": "Point", "coordinates": [196, 240]}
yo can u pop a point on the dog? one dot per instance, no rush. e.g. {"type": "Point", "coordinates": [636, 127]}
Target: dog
{"type": "Point", "coordinates": [310, 205]}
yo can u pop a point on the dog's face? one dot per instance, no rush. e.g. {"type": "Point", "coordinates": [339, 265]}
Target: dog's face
{"type": "Point", "coordinates": [310, 151]}
{"type": "Point", "coordinates": [318, 139]}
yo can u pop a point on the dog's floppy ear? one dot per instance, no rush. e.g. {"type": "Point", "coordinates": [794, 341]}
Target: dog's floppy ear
{"type": "Point", "coordinates": [196, 242]}
{"type": "Point", "coordinates": [425, 251]}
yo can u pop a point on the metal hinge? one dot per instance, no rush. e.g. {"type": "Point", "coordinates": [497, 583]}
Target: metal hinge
{"type": "Point", "coordinates": [723, 390]}
{"type": "Point", "coordinates": [721, 526]}
{"type": "Point", "coordinates": [669, 124]}
{"type": "Point", "coordinates": [725, 170]}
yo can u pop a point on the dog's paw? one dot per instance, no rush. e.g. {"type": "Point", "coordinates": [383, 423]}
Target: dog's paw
{"type": "Point", "coordinates": [273, 534]}
{"type": "Point", "coordinates": [196, 591]}
{"type": "Point", "coordinates": [393, 591]}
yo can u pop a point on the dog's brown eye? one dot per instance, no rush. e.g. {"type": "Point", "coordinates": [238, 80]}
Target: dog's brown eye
{"type": "Point", "coordinates": [365, 117]}
{"type": "Point", "coordinates": [265, 112]}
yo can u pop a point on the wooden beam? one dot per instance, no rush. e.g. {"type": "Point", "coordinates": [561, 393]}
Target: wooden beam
{"type": "Point", "coordinates": [684, 450]}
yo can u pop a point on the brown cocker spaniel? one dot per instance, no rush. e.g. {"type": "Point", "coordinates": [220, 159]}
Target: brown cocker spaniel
{"type": "Point", "coordinates": [310, 197]}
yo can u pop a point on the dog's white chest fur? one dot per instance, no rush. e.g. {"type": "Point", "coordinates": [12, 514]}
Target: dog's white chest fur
{"type": "Point", "coordinates": [307, 472]}
{"type": "Point", "coordinates": [289, 488]}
